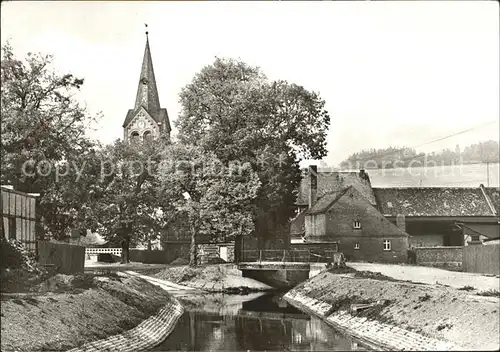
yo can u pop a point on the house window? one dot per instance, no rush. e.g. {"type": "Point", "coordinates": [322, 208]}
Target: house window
{"type": "Point", "coordinates": [357, 225]}
{"type": "Point", "coordinates": [475, 238]}
{"type": "Point", "coordinates": [387, 245]}
{"type": "Point", "coordinates": [356, 245]}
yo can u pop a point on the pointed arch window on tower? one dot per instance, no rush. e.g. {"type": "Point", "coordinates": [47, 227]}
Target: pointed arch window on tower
{"type": "Point", "coordinates": [147, 136]}
{"type": "Point", "coordinates": [134, 137]}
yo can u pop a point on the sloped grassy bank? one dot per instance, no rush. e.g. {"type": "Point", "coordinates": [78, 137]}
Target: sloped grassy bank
{"type": "Point", "coordinates": [407, 315]}
{"type": "Point", "coordinates": [68, 311]}
{"type": "Point", "coordinates": [221, 278]}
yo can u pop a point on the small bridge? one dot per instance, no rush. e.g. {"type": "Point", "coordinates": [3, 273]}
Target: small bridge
{"type": "Point", "coordinates": [283, 268]}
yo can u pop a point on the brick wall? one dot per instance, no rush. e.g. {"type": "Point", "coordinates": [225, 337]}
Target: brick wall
{"type": "Point", "coordinates": [426, 240]}
{"type": "Point", "coordinates": [439, 256]}
{"type": "Point", "coordinates": [371, 249]}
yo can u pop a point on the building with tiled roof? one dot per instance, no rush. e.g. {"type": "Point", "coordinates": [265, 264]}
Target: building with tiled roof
{"type": "Point", "coordinates": [347, 218]}
{"type": "Point", "coordinates": [494, 195]}
{"type": "Point", "coordinates": [332, 181]}
{"type": "Point", "coordinates": [427, 201]}
{"type": "Point", "coordinates": [147, 119]}
{"type": "Point", "coordinates": [432, 216]}
{"type": "Point", "coordinates": [441, 216]}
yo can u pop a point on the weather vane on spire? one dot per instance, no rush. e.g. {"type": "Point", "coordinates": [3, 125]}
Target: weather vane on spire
{"type": "Point", "coordinates": [146, 28]}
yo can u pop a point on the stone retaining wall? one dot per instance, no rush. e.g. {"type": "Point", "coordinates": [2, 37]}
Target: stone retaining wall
{"type": "Point", "coordinates": [144, 336]}
{"type": "Point", "coordinates": [439, 256]}
{"type": "Point", "coordinates": [376, 335]}
{"type": "Point", "coordinates": [209, 253]}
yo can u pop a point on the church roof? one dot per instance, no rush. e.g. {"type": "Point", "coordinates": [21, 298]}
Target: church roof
{"type": "Point", "coordinates": [147, 93]}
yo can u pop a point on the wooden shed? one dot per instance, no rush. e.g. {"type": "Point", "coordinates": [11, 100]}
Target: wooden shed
{"type": "Point", "coordinates": [18, 216]}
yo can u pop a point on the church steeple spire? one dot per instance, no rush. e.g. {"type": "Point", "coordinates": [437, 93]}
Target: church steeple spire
{"type": "Point", "coordinates": [147, 117]}
{"type": "Point", "coordinates": [147, 92]}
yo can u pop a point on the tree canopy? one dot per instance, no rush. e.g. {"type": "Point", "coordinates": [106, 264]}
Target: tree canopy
{"type": "Point", "coordinates": [43, 128]}
{"type": "Point", "coordinates": [216, 198]}
{"type": "Point", "coordinates": [392, 157]}
{"type": "Point", "coordinates": [41, 119]}
{"type": "Point", "coordinates": [234, 111]}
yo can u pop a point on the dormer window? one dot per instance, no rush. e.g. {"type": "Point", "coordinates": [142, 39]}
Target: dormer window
{"type": "Point", "coordinates": [356, 224]}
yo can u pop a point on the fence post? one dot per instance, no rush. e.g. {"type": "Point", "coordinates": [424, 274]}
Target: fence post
{"type": "Point", "coordinates": [260, 255]}
{"type": "Point", "coordinates": [284, 254]}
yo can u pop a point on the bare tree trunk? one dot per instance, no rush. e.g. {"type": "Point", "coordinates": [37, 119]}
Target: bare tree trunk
{"type": "Point", "coordinates": [192, 254]}
{"type": "Point", "coordinates": [125, 248]}
{"type": "Point", "coordinates": [125, 251]}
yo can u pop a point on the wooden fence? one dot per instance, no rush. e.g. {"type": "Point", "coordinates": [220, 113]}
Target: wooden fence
{"type": "Point", "coordinates": [66, 258]}
{"type": "Point", "coordinates": [152, 256]}
{"type": "Point", "coordinates": [18, 216]}
{"type": "Point", "coordinates": [481, 259]}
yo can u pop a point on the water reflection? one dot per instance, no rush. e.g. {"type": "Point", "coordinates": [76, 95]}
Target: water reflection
{"type": "Point", "coordinates": [262, 322]}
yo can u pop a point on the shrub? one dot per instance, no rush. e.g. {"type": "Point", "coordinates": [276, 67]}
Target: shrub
{"type": "Point", "coordinates": [13, 255]}
{"type": "Point", "coordinates": [489, 293]}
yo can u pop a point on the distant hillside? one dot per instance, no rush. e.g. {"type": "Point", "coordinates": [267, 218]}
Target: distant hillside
{"type": "Point", "coordinates": [395, 157]}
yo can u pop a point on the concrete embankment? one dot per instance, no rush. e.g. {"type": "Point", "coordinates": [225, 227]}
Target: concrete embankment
{"type": "Point", "coordinates": [144, 336]}
{"type": "Point", "coordinates": [115, 312]}
{"type": "Point", "coordinates": [402, 315]}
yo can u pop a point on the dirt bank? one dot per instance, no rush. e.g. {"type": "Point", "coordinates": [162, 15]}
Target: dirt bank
{"type": "Point", "coordinates": [68, 311]}
{"type": "Point", "coordinates": [409, 315]}
{"type": "Point", "coordinates": [212, 278]}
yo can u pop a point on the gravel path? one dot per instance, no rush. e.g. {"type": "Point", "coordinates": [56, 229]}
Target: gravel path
{"type": "Point", "coordinates": [164, 284]}
{"type": "Point", "coordinates": [429, 275]}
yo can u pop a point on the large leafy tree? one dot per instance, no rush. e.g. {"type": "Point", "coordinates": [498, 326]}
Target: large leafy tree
{"type": "Point", "coordinates": [43, 126]}
{"type": "Point", "coordinates": [234, 111]}
{"type": "Point", "coordinates": [117, 193]}
{"type": "Point", "coordinates": [216, 198]}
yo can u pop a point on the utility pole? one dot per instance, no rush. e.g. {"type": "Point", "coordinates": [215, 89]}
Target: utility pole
{"type": "Point", "coordinates": [488, 174]}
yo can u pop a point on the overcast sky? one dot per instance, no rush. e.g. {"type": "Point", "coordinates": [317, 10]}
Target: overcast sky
{"type": "Point", "coordinates": [392, 73]}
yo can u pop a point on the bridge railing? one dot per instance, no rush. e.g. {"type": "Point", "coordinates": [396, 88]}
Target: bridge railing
{"type": "Point", "coordinates": [283, 255]}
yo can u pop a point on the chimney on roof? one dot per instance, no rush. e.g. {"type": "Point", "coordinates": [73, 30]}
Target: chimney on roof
{"type": "Point", "coordinates": [313, 184]}
{"type": "Point", "coordinates": [363, 175]}
{"type": "Point", "coordinates": [401, 222]}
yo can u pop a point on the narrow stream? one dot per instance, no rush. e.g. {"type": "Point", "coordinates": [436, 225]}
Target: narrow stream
{"type": "Point", "coordinates": [255, 322]}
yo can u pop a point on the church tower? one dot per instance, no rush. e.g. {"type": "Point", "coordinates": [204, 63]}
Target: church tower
{"type": "Point", "coordinates": [147, 119]}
